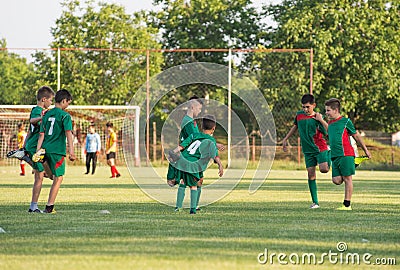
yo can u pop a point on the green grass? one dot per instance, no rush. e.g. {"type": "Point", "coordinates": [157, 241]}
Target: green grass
{"type": "Point", "coordinates": [142, 234]}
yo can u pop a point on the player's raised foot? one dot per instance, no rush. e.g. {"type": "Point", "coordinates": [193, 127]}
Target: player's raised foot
{"type": "Point", "coordinates": [192, 211]}
{"type": "Point", "coordinates": [171, 182]}
{"type": "Point", "coordinates": [49, 209]}
{"type": "Point", "coordinates": [177, 209]}
{"type": "Point", "coordinates": [17, 153]}
{"type": "Point", "coordinates": [359, 160]}
{"type": "Point", "coordinates": [314, 206]}
{"type": "Point", "coordinates": [37, 210]}
{"type": "Point", "coordinates": [344, 208]}
{"type": "Point", "coordinates": [39, 155]}
{"type": "Point", "coordinates": [118, 175]}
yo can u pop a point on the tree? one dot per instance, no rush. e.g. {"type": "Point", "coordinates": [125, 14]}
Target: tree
{"type": "Point", "coordinates": [16, 78]}
{"type": "Point", "coordinates": [357, 48]}
{"type": "Point", "coordinates": [197, 24]}
{"type": "Point", "coordinates": [111, 73]}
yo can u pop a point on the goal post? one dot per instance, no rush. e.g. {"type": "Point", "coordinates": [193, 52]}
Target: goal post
{"type": "Point", "coordinates": [82, 116]}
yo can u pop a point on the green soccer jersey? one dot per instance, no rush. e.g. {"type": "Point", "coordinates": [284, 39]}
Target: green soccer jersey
{"type": "Point", "coordinates": [188, 126]}
{"type": "Point", "coordinates": [54, 124]}
{"type": "Point", "coordinates": [311, 133]}
{"type": "Point", "coordinates": [199, 148]}
{"type": "Point", "coordinates": [31, 143]}
{"type": "Point", "coordinates": [339, 132]}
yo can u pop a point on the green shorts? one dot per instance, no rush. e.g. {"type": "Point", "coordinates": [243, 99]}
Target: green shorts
{"type": "Point", "coordinates": [190, 179]}
{"type": "Point", "coordinates": [56, 163]}
{"type": "Point", "coordinates": [343, 166]}
{"type": "Point", "coordinates": [312, 159]}
{"type": "Point", "coordinates": [38, 166]}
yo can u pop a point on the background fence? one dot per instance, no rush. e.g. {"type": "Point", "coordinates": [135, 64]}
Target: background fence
{"type": "Point", "coordinates": [112, 77]}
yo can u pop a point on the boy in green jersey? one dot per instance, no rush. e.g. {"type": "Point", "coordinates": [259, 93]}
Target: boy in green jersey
{"type": "Point", "coordinates": [315, 149]}
{"type": "Point", "coordinates": [55, 130]}
{"type": "Point", "coordinates": [196, 152]}
{"type": "Point", "coordinates": [340, 129]}
{"type": "Point", "coordinates": [44, 99]}
{"type": "Point", "coordinates": [188, 127]}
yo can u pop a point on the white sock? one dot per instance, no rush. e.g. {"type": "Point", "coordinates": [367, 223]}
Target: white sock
{"type": "Point", "coordinates": [33, 206]}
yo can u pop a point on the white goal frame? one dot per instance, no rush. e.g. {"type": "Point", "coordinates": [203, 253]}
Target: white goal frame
{"type": "Point", "coordinates": [25, 115]}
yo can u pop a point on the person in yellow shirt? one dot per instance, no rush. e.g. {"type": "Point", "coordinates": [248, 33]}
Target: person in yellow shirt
{"type": "Point", "coordinates": [111, 149]}
{"type": "Point", "coordinates": [21, 136]}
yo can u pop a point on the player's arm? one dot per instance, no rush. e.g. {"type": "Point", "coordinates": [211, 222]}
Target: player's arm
{"type": "Point", "coordinates": [36, 120]}
{"type": "Point", "coordinates": [220, 147]}
{"type": "Point", "coordinates": [290, 133]}
{"type": "Point", "coordinates": [320, 119]}
{"type": "Point", "coordinates": [70, 142]}
{"type": "Point", "coordinates": [360, 142]}
{"type": "Point", "coordinates": [220, 167]}
{"type": "Point", "coordinates": [40, 141]}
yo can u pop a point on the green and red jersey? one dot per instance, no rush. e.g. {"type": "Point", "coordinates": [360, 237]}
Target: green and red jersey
{"type": "Point", "coordinates": [311, 133]}
{"type": "Point", "coordinates": [339, 132]}
{"type": "Point", "coordinates": [54, 124]}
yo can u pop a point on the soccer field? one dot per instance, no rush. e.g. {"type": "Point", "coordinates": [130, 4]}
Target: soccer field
{"type": "Point", "coordinates": [138, 233]}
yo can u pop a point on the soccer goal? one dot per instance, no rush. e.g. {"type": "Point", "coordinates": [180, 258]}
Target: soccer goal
{"type": "Point", "coordinates": [82, 116]}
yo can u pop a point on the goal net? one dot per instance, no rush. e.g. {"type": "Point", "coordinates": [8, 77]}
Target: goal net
{"type": "Point", "coordinates": [82, 116]}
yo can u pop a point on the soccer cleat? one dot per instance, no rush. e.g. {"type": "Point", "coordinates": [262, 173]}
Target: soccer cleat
{"type": "Point", "coordinates": [37, 210]}
{"type": "Point", "coordinates": [192, 211]}
{"type": "Point", "coordinates": [314, 206]}
{"type": "Point", "coordinates": [49, 209]}
{"type": "Point", "coordinates": [359, 160]}
{"type": "Point", "coordinates": [198, 209]}
{"type": "Point", "coordinates": [17, 153]}
{"type": "Point", "coordinates": [344, 208]}
{"type": "Point", "coordinates": [39, 155]}
{"type": "Point", "coordinates": [118, 175]}
{"type": "Point", "coordinates": [177, 209]}
{"type": "Point", "coordinates": [20, 154]}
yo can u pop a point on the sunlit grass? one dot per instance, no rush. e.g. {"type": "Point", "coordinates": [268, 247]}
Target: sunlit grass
{"type": "Point", "coordinates": [139, 233]}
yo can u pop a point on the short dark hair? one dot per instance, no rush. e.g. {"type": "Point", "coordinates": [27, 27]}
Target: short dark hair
{"type": "Point", "coordinates": [109, 124]}
{"type": "Point", "coordinates": [334, 103]}
{"type": "Point", "coordinates": [61, 95]}
{"type": "Point", "coordinates": [197, 99]}
{"type": "Point", "coordinates": [20, 125]}
{"type": "Point", "coordinates": [209, 122]}
{"type": "Point", "coordinates": [308, 98]}
{"type": "Point", "coordinates": [44, 92]}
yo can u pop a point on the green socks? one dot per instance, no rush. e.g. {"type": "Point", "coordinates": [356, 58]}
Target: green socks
{"type": "Point", "coordinates": [180, 196]}
{"type": "Point", "coordinates": [198, 196]}
{"type": "Point", "coordinates": [194, 197]}
{"type": "Point", "coordinates": [193, 200]}
{"type": "Point", "coordinates": [312, 184]}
